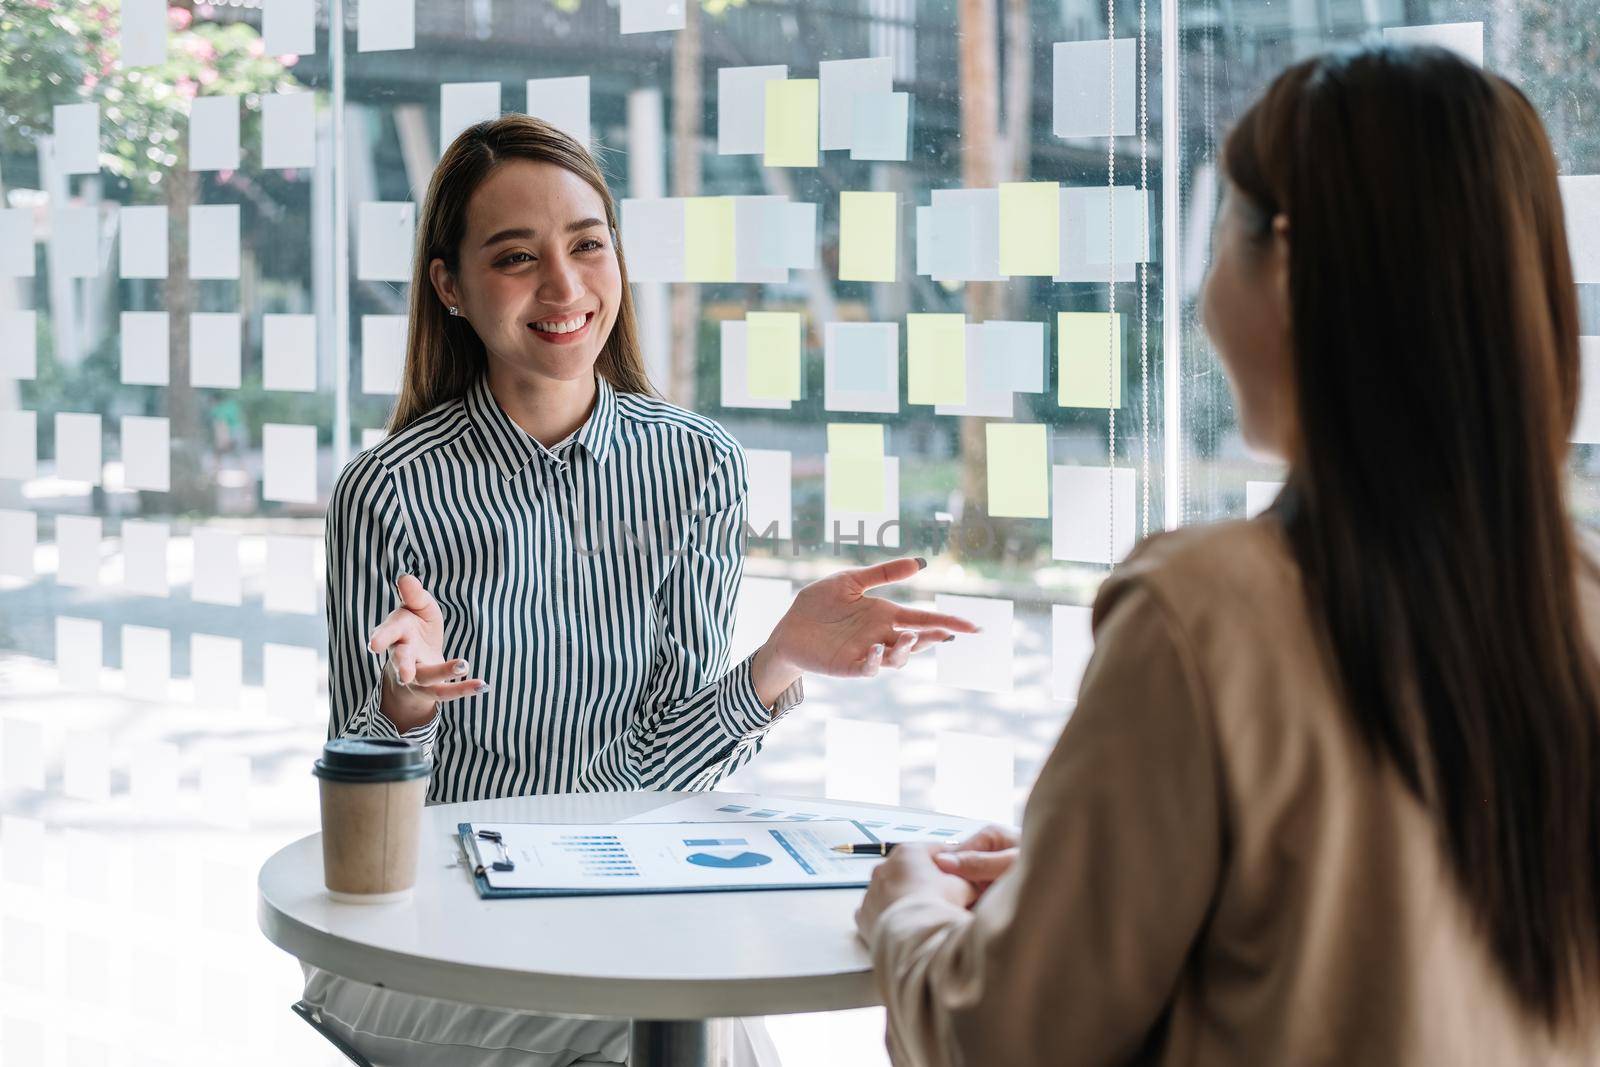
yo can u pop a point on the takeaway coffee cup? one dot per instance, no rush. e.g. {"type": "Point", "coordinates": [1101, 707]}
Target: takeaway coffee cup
{"type": "Point", "coordinates": [372, 798]}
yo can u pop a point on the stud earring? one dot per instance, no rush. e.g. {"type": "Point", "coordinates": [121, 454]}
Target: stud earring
{"type": "Point", "coordinates": [455, 310]}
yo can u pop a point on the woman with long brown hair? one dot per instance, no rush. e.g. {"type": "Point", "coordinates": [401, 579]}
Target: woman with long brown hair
{"type": "Point", "coordinates": [1332, 790]}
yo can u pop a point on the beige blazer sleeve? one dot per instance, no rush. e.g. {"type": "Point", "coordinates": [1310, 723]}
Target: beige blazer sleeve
{"type": "Point", "coordinates": [1072, 957]}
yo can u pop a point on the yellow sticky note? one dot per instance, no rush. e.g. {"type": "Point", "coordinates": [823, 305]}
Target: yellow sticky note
{"type": "Point", "coordinates": [867, 232]}
{"type": "Point", "coordinates": [936, 359]}
{"type": "Point", "coordinates": [1019, 470]}
{"type": "Point", "coordinates": [708, 239]}
{"type": "Point", "coordinates": [791, 122]}
{"type": "Point", "coordinates": [1089, 363]}
{"type": "Point", "coordinates": [772, 348]}
{"type": "Point", "coordinates": [855, 466]}
{"type": "Point", "coordinates": [1030, 228]}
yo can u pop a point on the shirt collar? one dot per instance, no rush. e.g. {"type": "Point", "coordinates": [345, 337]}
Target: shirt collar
{"type": "Point", "coordinates": [513, 448]}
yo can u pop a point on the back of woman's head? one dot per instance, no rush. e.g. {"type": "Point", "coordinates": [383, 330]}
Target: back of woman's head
{"type": "Point", "coordinates": [1435, 361]}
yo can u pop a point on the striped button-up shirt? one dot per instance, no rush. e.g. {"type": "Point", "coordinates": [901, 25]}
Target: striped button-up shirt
{"type": "Point", "coordinates": [592, 585]}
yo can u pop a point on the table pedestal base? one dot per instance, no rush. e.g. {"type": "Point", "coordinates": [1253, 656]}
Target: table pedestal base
{"type": "Point", "coordinates": [677, 1043]}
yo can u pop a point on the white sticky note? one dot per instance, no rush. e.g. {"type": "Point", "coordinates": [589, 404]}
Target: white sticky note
{"type": "Point", "coordinates": [463, 104]}
{"type": "Point", "coordinates": [881, 127]}
{"type": "Point", "coordinates": [19, 444]}
{"type": "Point", "coordinates": [1463, 38]}
{"type": "Point", "coordinates": [288, 130]}
{"type": "Point", "coordinates": [372, 436]}
{"type": "Point", "coordinates": [24, 854]}
{"type": "Point", "coordinates": [1071, 643]}
{"type": "Point", "coordinates": [19, 539]}
{"type": "Point", "coordinates": [1258, 497]}
{"type": "Point", "coordinates": [153, 777]}
{"type": "Point", "coordinates": [78, 652]}
{"type": "Point", "coordinates": [654, 239]}
{"type": "Point", "coordinates": [78, 550]}
{"type": "Point", "coordinates": [217, 577]}
{"type": "Point", "coordinates": [843, 82]}
{"type": "Point", "coordinates": [980, 661]}
{"type": "Point", "coordinates": [874, 529]}
{"type": "Point", "coordinates": [146, 348]}
{"type": "Point", "coordinates": [383, 352]}
{"type": "Point", "coordinates": [1580, 203]}
{"type": "Point", "coordinates": [1087, 524]}
{"type": "Point", "coordinates": [289, 679]}
{"type": "Point", "coordinates": [760, 239]}
{"type": "Point", "coordinates": [19, 345]}
{"type": "Point", "coordinates": [22, 754]}
{"type": "Point", "coordinates": [861, 761]}
{"type": "Point", "coordinates": [982, 399]}
{"type": "Point", "coordinates": [861, 366]}
{"type": "Point", "coordinates": [289, 352]}
{"type": "Point", "coordinates": [75, 241]}
{"type": "Point", "coordinates": [214, 133]}
{"type": "Point", "coordinates": [142, 251]}
{"type": "Point", "coordinates": [289, 463]}
{"type": "Point", "coordinates": [1013, 356]}
{"type": "Point", "coordinates": [741, 108]}
{"type": "Point", "coordinates": [77, 138]}
{"type": "Point", "coordinates": [216, 665]}
{"type": "Point", "coordinates": [1115, 228]}
{"type": "Point", "coordinates": [16, 242]}
{"type": "Point", "coordinates": [385, 25]}
{"type": "Point", "coordinates": [146, 661]}
{"type": "Point", "coordinates": [78, 456]}
{"type": "Point", "coordinates": [1087, 101]}
{"type": "Point", "coordinates": [144, 557]}
{"type": "Point", "coordinates": [86, 765]}
{"type": "Point", "coordinates": [292, 564]}
{"type": "Point", "coordinates": [735, 371]}
{"type": "Point", "coordinates": [225, 790]}
{"type": "Point", "coordinates": [386, 232]}
{"type": "Point", "coordinates": [216, 341]}
{"type": "Point", "coordinates": [563, 103]}
{"type": "Point", "coordinates": [771, 501]}
{"type": "Point", "coordinates": [146, 453]}
{"type": "Point", "coordinates": [800, 236]}
{"type": "Point", "coordinates": [965, 235]}
{"type": "Point", "coordinates": [289, 27]}
{"type": "Point", "coordinates": [973, 776]}
{"type": "Point", "coordinates": [1586, 426]}
{"type": "Point", "coordinates": [762, 602]}
{"type": "Point", "coordinates": [647, 16]}
{"type": "Point", "coordinates": [214, 241]}
{"type": "Point", "coordinates": [144, 33]}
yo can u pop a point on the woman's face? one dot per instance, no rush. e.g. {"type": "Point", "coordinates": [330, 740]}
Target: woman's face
{"type": "Point", "coordinates": [1245, 310]}
{"type": "Point", "coordinates": [539, 280]}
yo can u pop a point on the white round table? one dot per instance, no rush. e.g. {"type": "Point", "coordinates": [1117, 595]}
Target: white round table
{"type": "Point", "coordinates": [671, 963]}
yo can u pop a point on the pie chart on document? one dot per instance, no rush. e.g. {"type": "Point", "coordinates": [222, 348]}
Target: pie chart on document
{"type": "Point", "coordinates": [739, 859]}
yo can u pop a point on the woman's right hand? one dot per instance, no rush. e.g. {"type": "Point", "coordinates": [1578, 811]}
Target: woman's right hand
{"type": "Point", "coordinates": [982, 858]}
{"type": "Point", "coordinates": [417, 676]}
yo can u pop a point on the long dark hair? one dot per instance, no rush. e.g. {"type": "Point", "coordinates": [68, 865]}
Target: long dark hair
{"type": "Point", "coordinates": [1435, 338]}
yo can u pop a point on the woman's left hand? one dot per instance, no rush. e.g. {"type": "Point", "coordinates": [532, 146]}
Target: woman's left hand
{"type": "Point", "coordinates": [909, 871]}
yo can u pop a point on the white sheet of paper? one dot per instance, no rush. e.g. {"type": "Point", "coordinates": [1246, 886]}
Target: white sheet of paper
{"type": "Point", "coordinates": [75, 241]}
{"type": "Point", "coordinates": [387, 231]}
{"type": "Point", "coordinates": [214, 241]}
{"type": "Point", "coordinates": [289, 679]}
{"type": "Point", "coordinates": [647, 16]}
{"type": "Point", "coordinates": [861, 761]}
{"type": "Point", "coordinates": [24, 856]}
{"type": "Point", "coordinates": [289, 27]}
{"type": "Point", "coordinates": [289, 352]}
{"type": "Point", "coordinates": [1580, 203]}
{"type": "Point", "coordinates": [78, 653]}
{"type": "Point", "coordinates": [653, 239]}
{"type": "Point", "coordinates": [146, 452]}
{"type": "Point", "coordinates": [800, 233]}
{"type": "Point", "coordinates": [875, 529]}
{"type": "Point", "coordinates": [735, 371]}
{"type": "Point", "coordinates": [225, 787]}
{"type": "Point", "coordinates": [385, 25]}
{"type": "Point", "coordinates": [289, 463]}
{"type": "Point", "coordinates": [216, 566]}
{"type": "Point", "coordinates": [1258, 497]}
{"type": "Point", "coordinates": [980, 661]}
{"type": "Point", "coordinates": [144, 557]}
{"type": "Point", "coordinates": [78, 539]}
{"type": "Point", "coordinates": [1586, 427]}
{"type": "Point", "coordinates": [1114, 229]}
{"type": "Point", "coordinates": [214, 133]}
{"type": "Point", "coordinates": [292, 565]}
{"type": "Point", "coordinates": [462, 104]}
{"type": "Point", "coordinates": [146, 662]}
{"type": "Point", "coordinates": [861, 366]}
{"type": "Point", "coordinates": [771, 492]}
{"type": "Point", "coordinates": [762, 602]}
{"type": "Point", "coordinates": [19, 445]}
{"type": "Point", "coordinates": [22, 747]}
{"type": "Point", "coordinates": [19, 345]}
{"type": "Point", "coordinates": [288, 130]}
{"type": "Point", "coordinates": [881, 127]}
{"type": "Point", "coordinates": [86, 765]}
{"type": "Point", "coordinates": [974, 776]}
{"type": "Point", "coordinates": [741, 808]}
{"type": "Point", "coordinates": [760, 239]}
{"type": "Point", "coordinates": [1082, 512]}
{"type": "Point", "coordinates": [1071, 643]}
{"type": "Point", "coordinates": [1075, 264]}
{"type": "Point", "coordinates": [741, 108]}
{"type": "Point", "coordinates": [19, 540]}
{"type": "Point", "coordinates": [142, 251]}
{"type": "Point", "coordinates": [16, 242]}
{"type": "Point", "coordinates": [144, 33]}
{"type": "Point", "coordinates": [965, 235]}
{"type": "Point", "coordinates": [216, 665]}
{"type": "Point", "coordinates": [1014, 354]}
{"type": "Point", "coordinates": [77, 138]}
{"type": "Point", "coordinates": [216, 342]}
{"type": "Point", "coordinates": [844, 81]}
{"type": "Point", "coordinates": [383, 353]}
{"type": "Point", "coordinates": [1463, 38]}
{"type": "Point", "coordinates": [983, 400]}
{"type": "Point", "coordinates": [563, 103]}
{"type": "Point", "coordinates": [153, 777]}
{"type": "Point", "coordinates": [146, 348]}
{"type": "Point", "coordinates": [1082, 90]}
{"type": "Point", "coordinates": [78, 451]}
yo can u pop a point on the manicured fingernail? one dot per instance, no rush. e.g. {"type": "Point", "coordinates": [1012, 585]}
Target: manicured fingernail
{"type": "Point", "coordinates": [952, 637]}
{"type": "Point", "coordinates": [484, 688]}
{"type": "Point", "coordinates": [921, 563]}
{"type": "Point", "coordinates": [461, 666]}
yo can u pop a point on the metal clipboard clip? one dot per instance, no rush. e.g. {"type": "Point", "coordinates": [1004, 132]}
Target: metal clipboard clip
{"type": "Point", "coordinates": [502, 864]}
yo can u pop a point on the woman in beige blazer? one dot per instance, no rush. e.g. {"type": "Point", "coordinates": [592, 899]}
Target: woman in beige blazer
{"type": "Point", "coordinates": [1331, 794]}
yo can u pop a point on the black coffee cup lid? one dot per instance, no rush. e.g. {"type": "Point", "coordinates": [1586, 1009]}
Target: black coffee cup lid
{"type": "Point", "coordinates": [371, 759]}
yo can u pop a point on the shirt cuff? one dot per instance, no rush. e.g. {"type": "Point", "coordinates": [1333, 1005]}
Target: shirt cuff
{"type": "Point", "coordinates": [743, 714]}
{"type": "Point", "coordinates": [370, 721]}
